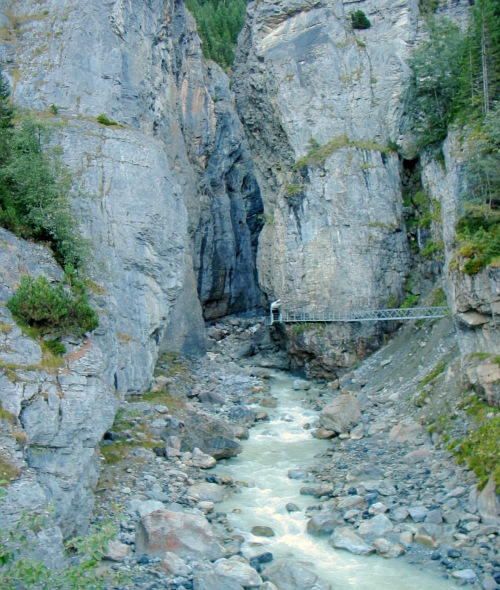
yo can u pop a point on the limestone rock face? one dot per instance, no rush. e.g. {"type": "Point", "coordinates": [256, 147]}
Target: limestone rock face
{"type": "Point", "coordinates": [342, 414]}
{"type": "Point", "coordinates": [335, 230]}
{"type": "Point", "coordinates": [474, 299]}
{"type": "Point", "coordinates": [62, 413]}
{"type": "Point", "coordinates": [175, 206]}
{"type": "Point", "coordinates": [167, 197]}
{"type": "Point", "coordinates": [189, 536]}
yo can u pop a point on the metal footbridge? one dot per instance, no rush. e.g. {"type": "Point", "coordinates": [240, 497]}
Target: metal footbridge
{"type": "Point", "coordinates": [278, 315]}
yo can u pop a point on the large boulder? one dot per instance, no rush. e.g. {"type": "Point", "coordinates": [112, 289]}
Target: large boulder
{"type": "Point", "coordinates": [376, 527]}
{"type": "Point", "coordinates": [487, 504]}
{"type": "Point", "coordinates": [342, 414]}
{"type": "Point", "coordinates": [206, 579]}
{"type": "Point", "coordinates": [202, 460]}
{"type": "Point", "coordinates": [345, 538]}
{"type": "Point", "coordinates": [208, 492]}
{"type": "Point", "coordinates": [484, 376]}
{"type": "Point", "coordinates": [212, 436]}
{"type": "Point", "coordinates": [187, 535]}
{"type": "Point", "coordinates": [288, 574]}
{"type": "Point", "coordinates": [238, 569]}
{"type": "Point", "coordinates": [324, 523]}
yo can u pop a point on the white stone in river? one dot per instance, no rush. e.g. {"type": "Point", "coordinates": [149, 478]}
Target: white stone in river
{"type": "Point", "coordinates": [467, 575]}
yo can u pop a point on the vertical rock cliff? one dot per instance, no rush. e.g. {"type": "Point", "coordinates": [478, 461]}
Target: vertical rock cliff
{"type": "Point", "coordinates": [164, 191]}
{"type": "Point", "coordinates": [321, 103]}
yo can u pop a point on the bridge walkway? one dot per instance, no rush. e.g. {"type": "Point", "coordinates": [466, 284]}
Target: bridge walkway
{"type": "Point", "coordinates": [277, 315]}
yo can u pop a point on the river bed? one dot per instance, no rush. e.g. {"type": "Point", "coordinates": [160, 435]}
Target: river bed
{"type": "Point", "coordinates": [275, 447]}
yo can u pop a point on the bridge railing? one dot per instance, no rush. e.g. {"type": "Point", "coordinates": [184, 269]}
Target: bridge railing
{"type": "Point", "coordinates": [360, 315]}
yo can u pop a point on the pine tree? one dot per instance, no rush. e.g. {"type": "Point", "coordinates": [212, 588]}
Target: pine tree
{"type": "Point", "coordinates": [6, 108]}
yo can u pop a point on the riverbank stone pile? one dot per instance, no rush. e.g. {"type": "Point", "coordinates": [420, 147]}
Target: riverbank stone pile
{"type": "Point", "coordinates": [382, 486]}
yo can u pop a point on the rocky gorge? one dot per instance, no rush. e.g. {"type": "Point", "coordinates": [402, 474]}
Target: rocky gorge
{"type": "Point", "coordinates": [207, 197]}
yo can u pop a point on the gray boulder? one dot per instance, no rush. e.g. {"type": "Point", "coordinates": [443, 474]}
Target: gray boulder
{"type": "Point", "coordinates": [387, 549]}
{"type": "Point", "coordinates": [324, 523]}
{"type": "Point", "coordinates": [288, 574]}
{"type": "Point", "coordinates": [487, 504]}
{"type": "Point", "coordinates": [189, 536]}
{"type": "Point", "coordinates": [237, 569]}
{"type": "Point", "coordinates": [342, 414]}
{"type": "Point", "coordinates": [345, 538]}
{"type": "Point", "coordinates": [207, 492]}
{"type": "Point", "coordinates": [375, 527]}
{"type": "Point", "coordinates": [202, 460]}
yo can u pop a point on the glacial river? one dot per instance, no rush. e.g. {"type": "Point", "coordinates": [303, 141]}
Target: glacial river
{"type": "Point", "coordinates": [275, 447]}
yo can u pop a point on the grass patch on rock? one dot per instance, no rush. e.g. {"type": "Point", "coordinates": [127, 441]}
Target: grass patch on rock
{"type": "Point", "coordinates": [437, 370]}
{"type": "Point", "coordinates": [132, 432]}
{"type": "Point", "coordinates": [8, 471]}
{"type": "Point", "coordinates": [6, 415]}
{"type": "Point", "coordinates": [480, 451]}
{"type": "Point", "coordinates": [164, 398]}
{"type": "Point", "coordinates": [317, 155]}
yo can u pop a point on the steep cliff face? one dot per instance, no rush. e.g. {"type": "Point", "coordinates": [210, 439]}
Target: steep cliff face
{"type": "Point", "coordinates": [334, 234]}
{"type": "Point", "coordinates": [57, 413]}
{"type": "Point", "coordinates": [141, 65]}
{"type": "Point", "coordinates": [167, 197]}
{"type": "Point", "coordinates": [474, 299]}
{"type": "Point", "coordinates": [323, 106]}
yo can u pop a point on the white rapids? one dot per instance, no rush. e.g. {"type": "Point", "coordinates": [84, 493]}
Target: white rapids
{"type": "Point", "coordinates": [275, 447]}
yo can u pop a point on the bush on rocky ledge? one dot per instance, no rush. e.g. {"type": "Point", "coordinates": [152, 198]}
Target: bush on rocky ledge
{"type": "Point", "coordinates": [52, 310]}
{"type": "Point", "coordinates": [359, 20]}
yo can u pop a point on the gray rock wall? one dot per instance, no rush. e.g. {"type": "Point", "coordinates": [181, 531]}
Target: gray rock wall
{"type": "Point", "coordinates": [167, 197]}
{"type": "Point", "coordinates": [474, 299]}
{"type": "Point", "coordinates": [59, 412]}
{"type": "Point", "coordinates": [334, 236]}
{"type": "Point", "coordinates": [305, 76]}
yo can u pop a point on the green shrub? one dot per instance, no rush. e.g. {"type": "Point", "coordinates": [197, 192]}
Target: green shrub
{"type": "Point", "coordinates": [478, 238]}
{"type": "Point", "coordinates": [411, 300]}
{"type": "Point", "coordinates": [52, 310]}
{"type": "Point", "coordinates": [103, 120]}
{"type": "Point", "coordinates": [21, 570]}
{"type": "Point", "coordinates": [359, 20]}
{"type": "Point", "coordinates": [428, 6]}
{"type": "Point", "coordinates": [433, 249]}
{"type": "Point", "coordinates": [34, 186]}
{"type": "Point", "coordinates": [57, 348]}
{"type": "Point", "coordinates": [480, 451]}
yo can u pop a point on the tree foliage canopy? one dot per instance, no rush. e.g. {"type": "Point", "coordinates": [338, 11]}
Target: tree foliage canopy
{"type": "Point", "coordinates": [34, 185]}
{"type": "Point", "coordinates": [219, 23]}
{"type": "Point", "coordinates": [456, 80]}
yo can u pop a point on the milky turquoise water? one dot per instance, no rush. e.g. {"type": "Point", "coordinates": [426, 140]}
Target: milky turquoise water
{"type": "Point", "coordinates": [275, 447]}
